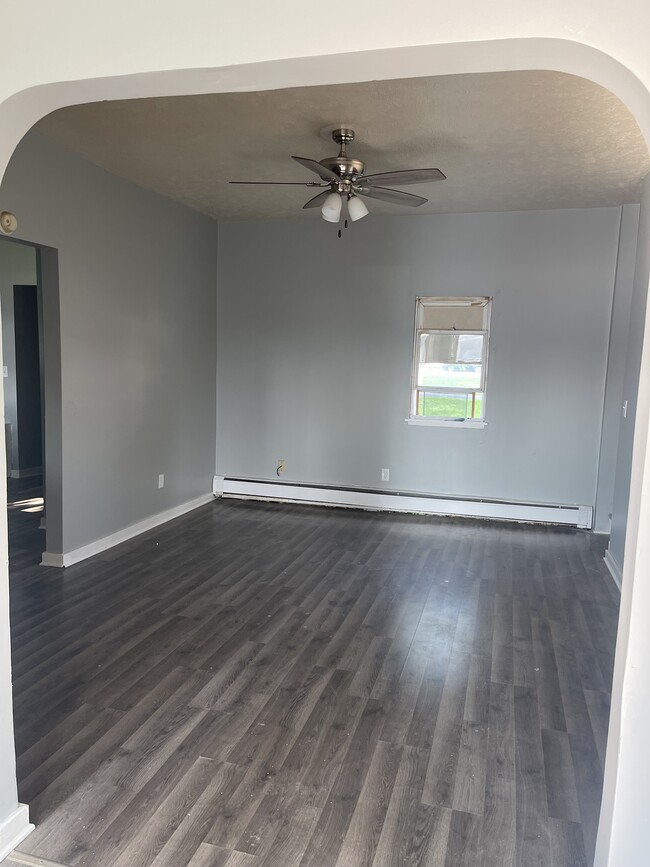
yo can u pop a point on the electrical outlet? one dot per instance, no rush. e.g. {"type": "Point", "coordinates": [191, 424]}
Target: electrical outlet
{"type": "Point", "coordinates": [385, 475]}
{"type": "Point", "coordinates": [161, 480]}
{"type": "Point", "coordinates": [281, 466]}
{"type": "Point", "coordinates": [624, 409]}
{"type": "Point", "coordinates": [5, 371]}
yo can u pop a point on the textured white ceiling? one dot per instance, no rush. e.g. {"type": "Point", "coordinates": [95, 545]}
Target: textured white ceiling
{"type": "Point", "coordinates": [506, 141]}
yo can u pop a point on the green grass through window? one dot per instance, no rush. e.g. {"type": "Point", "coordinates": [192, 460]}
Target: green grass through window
{"type": "Point", "coordinates": [443, 406]}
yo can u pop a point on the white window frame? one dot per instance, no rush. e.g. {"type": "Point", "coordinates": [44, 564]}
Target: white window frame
{"type": "Point", "coordinates": [442, 301]}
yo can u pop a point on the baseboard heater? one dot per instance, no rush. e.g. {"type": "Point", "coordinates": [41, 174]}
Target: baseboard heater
{"type": "Point", "coordinates": [400, 501]}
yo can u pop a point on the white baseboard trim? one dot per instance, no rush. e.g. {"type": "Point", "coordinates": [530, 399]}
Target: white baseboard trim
{"type": "Point", "coordinates": [49, 559]}
{"type": "Point", "coordinates": [574, 516]}
{"type": "Point", "coordinates": [79, 554]}
{"type": "Point", "coordinates": [14, 829]}
{"type": "Point", "coordinates": [27, 473]}
{"type": "Point", "coordinates": [614, 569]}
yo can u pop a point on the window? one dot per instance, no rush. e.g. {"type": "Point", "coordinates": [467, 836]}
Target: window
{"type": "Point", "coordinates": [450, 361]}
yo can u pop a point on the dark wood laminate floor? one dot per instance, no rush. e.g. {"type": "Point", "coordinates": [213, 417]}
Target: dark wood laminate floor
{"type": "Point", "coordinates": [270, 685]}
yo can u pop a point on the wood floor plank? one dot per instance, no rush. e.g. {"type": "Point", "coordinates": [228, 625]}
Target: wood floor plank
{"type": "Point", "coordinates": [292, 834]}
{"type": "Point", "coordinates": [533, 842]}
{"type": "Point", "coordinates": [237, 809]}
{"type": "Point", "coordinates": [143, 848]}
{"type": "Point", "coordinates": [181, 846]}
{"type": "Point", "coordinates": [425, 714]}
{"type": "Point", "coordinates": [477, 698]}
{"type": "Point", "coordinates": [567, 844]}
{"type": "Point", "coordinates": [499, 829]}
{"type": "Point", "coordinates": [576, 712]}
{"type": "Point", "coordinates": [523, 671]}
{"type": "Point", "coordinates": [549, 694]}
{"type": "Point", "coordinates": [213, 856]}
{"type": "Point", "coordinates": [469, 787]}
{"type": "Point", "coordinates": [598, 705]}
{"type": "Point", "coordinates": [371, 665]}
{"type": "Point", "coordinates": [315, 755]}
{"type": "Point", "coordinates": [360, 843]}
{"type": "Point", "coordinates": [325, 843]}
{"type": "Point", "coordinates": [589, 783]}
{"type": "Point", "coordinates": [401, 704]}
{"type": "Point", "coordinates": [412, 833]}
{"type": "Point", "coordinates": [502, 641]}
{"type": "Point", "coordinates": [464, 844]}
{"type": "Point", "coordinates": [66, 833]}
{"type": "Point", "coordinates": [105, 750]}
{"type": "Point", "coordinates": [58, 761]}
{"type": "Point", "coordinates": [209, 856]}
{"type": "Point", "coordinates": [440, 781]}
{"type": "Point", "coordinates": [561, 794]}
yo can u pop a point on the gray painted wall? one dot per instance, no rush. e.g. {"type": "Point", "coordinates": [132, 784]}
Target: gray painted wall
{"type": "Point", "coordinates": [616, 362]}
{"type": "Point", "coordinates": [137, 305]}
{"type": "Point", "coordinates": [315, 337]}
{"type": "Point", "coordinates": [623, 816]}
{"type": "Point", "coordinates": [631, 345]}
{"type": "Point", "coordinates": [17, 266]}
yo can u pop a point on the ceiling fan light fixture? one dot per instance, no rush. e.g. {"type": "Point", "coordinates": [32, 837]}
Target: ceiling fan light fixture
{"type": "Point", "coordinates": [331, 210]}
{"type": "Point", "coordinates": [356, 208]}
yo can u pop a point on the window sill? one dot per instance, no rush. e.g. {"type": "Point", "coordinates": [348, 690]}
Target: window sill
{"type": "Point", "coordinates": [443, 422]}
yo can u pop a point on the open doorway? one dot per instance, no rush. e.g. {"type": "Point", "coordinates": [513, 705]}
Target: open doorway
{"type": "Point", "coordinates": [22, 368]}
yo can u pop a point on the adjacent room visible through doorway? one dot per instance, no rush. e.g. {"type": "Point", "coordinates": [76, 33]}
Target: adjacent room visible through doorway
{"type": "Point", "coordinates": [22, 375]}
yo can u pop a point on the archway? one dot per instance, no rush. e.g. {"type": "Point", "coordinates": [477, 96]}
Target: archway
{"type": "Point", "coordinates": [24, 108]}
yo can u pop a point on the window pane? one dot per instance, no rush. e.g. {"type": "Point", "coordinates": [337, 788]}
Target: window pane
{"type": "Point", "coordinates": [450, 360]}
{"type": "Point", "coordinates": [451, 348]}
{"type": "Point", "coordinates": [449, 405]}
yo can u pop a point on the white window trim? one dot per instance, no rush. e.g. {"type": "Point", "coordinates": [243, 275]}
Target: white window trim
{"type": "Point", "coordinates": [445, 422]}
{"type": "Point", "coordinates": [463, 301]}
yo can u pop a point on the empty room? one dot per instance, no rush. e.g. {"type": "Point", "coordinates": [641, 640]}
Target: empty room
{"type": "Point", "coordinates": [322, 556]}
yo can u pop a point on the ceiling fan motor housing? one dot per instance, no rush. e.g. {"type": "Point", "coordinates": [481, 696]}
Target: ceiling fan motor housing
{"type": "Point", "coordinates": [347, 168]}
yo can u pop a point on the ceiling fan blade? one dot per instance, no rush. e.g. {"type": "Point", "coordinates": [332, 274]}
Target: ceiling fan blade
{"type": "Point", "coordinates": [280, 183]}
{"type": "Point", "coordinates": [409, 176]}
{"type": "Point", "coordinates": [317, 201]}
{"type": "Point", "coordinates": [395, 197]}
{"type": "Point", "coordinates": [313, 166]}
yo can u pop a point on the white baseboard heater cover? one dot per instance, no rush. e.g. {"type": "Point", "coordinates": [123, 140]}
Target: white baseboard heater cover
{"type": "Point", "coordinates": [395, 501]}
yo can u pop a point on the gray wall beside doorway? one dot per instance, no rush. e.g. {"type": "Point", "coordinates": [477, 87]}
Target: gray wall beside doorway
{"type": "Point", "coordinates": [17, 266]}
{"type": "Point", "coordinates": [137, 276]}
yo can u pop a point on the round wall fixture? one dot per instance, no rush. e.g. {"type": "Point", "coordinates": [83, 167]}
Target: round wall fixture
{"type": "Point", "coordinates": [8, 223]}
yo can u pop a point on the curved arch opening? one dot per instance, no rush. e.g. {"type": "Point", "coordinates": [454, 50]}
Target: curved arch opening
{"type": "Point", "coordinates": [28, 107]}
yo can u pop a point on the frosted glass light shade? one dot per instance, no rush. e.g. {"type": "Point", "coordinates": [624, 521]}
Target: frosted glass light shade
{"type": "Point", "coordinates": [331, 209]}
{"type": "Point", "coordinates": [356, 208]}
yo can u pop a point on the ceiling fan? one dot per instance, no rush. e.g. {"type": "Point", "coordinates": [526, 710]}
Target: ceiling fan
{"type": "Point", "coordinates": [344, 180]}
